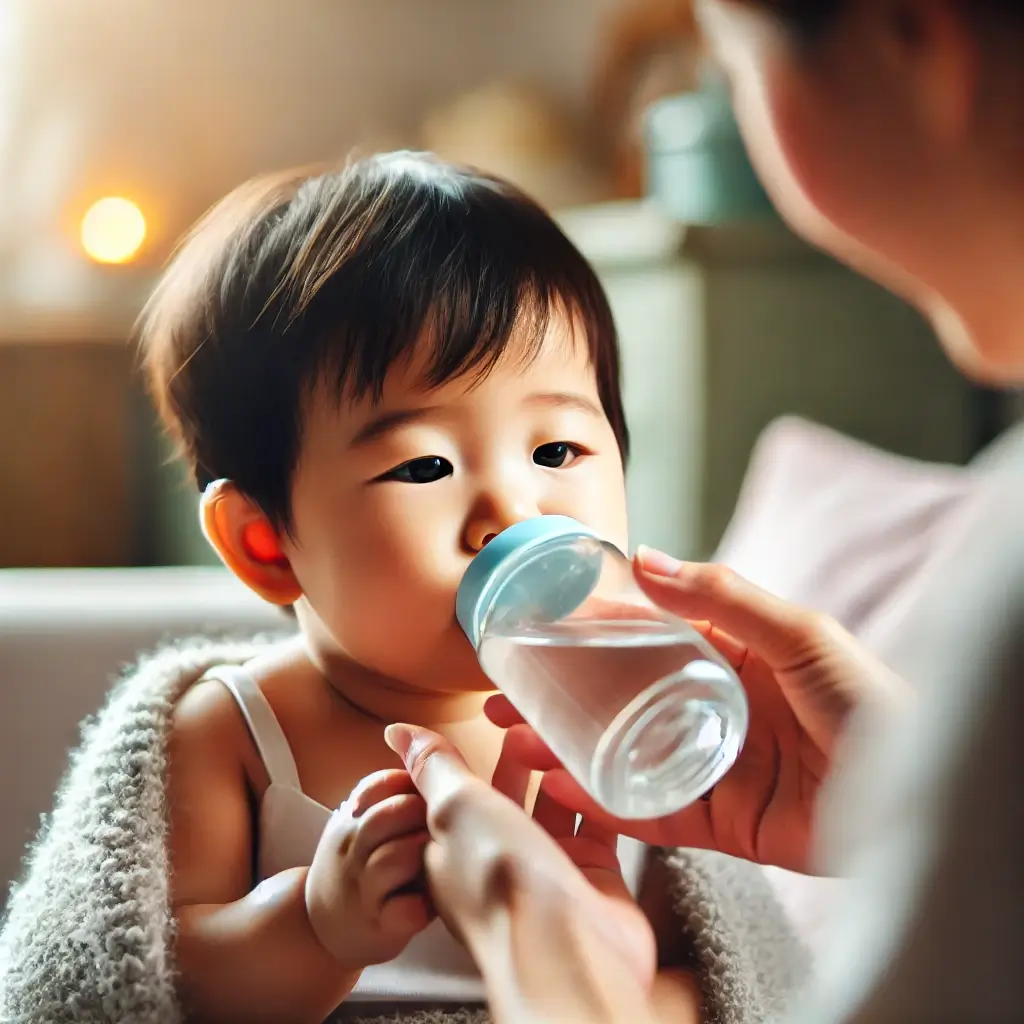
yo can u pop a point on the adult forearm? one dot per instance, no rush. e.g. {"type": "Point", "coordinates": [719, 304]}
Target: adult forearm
{"type": "Point", "coordinates": [539, 966]}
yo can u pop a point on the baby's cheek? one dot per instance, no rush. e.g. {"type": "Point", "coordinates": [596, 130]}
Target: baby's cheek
{"type": "Point", "coordinates": [392, 628]}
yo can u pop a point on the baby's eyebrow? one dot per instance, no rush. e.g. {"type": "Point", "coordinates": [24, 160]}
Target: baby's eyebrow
{"type": "Point", "coordinates": [379, 426]}
{"type": "Point", "coordinates": [564, 400]}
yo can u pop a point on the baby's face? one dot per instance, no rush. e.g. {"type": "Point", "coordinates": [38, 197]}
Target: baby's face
{"type": "Point", "coordinates": [391, 501]}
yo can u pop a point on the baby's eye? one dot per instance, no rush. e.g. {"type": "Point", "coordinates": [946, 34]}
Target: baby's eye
{"type": "Point", "coordinates": [421, 471]}
{"type": "Point", "coordinates": [555, 455]}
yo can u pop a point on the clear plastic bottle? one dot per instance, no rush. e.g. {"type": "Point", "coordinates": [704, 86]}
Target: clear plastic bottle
{"type": "Point", "coordinates": [640, 708]}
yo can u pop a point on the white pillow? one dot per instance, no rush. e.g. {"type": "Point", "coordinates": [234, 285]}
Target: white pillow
{"type": "Point", "coordinates": [837, 525]}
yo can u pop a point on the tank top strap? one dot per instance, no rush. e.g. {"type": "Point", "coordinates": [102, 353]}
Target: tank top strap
{"type": "Point", "coordinates": [266, 730]}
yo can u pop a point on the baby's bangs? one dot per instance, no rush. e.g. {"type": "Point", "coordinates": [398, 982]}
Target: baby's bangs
{"type": "Point", "coordinates": [469, 324]}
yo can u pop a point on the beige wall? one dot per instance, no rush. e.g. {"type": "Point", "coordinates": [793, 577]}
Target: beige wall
{"type": "Point", "coordinates": [176, 102]}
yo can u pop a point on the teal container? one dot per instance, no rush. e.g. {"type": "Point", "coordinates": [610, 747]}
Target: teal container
{"type": "Point", "coordinates": [698, 171]}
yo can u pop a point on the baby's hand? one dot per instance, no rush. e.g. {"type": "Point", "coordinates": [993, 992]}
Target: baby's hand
{"type": "Point", "coordinates": [364, 892]}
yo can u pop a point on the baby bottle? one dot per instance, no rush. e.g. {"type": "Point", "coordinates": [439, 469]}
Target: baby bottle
{"type": "Point", "coordinates": [639, 707]}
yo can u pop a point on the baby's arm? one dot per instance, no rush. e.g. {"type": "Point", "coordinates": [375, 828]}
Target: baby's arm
{"type": "Point", "coordinates": [242, 955]}
{"type": "Point", "coordinates": [255, 955]}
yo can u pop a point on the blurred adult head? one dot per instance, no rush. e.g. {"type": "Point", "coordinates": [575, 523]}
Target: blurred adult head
{"type": "Point", "coordinates": [891, 133]}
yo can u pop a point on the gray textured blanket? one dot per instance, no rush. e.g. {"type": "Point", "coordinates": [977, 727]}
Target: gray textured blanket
{"type": "Point", "coordinates": [89, 935]}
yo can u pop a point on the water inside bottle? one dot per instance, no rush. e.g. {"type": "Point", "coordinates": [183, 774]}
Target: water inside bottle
{"type": "Point", "coordinates": [633, 709]}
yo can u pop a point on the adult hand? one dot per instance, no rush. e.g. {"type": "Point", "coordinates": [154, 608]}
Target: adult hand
{"type": "Point", "coordinates": [803, 674]}
{"type": "Point", "coordinates": [542, 907]}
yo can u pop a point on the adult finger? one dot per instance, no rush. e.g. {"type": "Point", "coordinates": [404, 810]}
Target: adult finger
{"type": "Point", "coordinates": [501, 711]}
{"type": "Point", "coordinates": [561, 788]}
{"type": "Point", "coordinates": [522, 753]}
{"type": "Point", "coordinates": [597, 847]}
{"type": "Point", "coordinates": [728, 647]}
{"type": "Point", "coordinates": [437, 769]}
{"type": "Point", "coordinates": [511, 776]}
{"type": "Point", "coordinates": [527, 746]}
{"type": "Point", "coordinates": [784, 634]}
{"type": "Point", "coordinates": [598, 832]}
{"type": "Point", "coordinates": [555, 818]}
{"type": "Point", "coordinates": [689, 827]}
{"type": "Point", "coordinates": [465, 816]}
{"type": "Point", "coordinates": [530, 748]}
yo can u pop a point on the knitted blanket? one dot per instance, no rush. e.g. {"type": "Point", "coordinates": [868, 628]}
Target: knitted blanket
{"type": "Point", "coordinates": [89, 935]}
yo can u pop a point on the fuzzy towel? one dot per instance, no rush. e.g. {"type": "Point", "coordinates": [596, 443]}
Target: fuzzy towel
{"type": "Point", "coordinates": [89, 935]}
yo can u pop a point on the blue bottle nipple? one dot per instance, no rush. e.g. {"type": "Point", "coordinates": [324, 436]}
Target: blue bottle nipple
{"type": "Point", "coordinates": [507, 578]}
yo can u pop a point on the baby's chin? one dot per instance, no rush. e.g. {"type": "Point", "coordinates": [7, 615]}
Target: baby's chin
{"type": "Point", "coordinates": [455, 668]}
{"type": "Point", "coordinates": [450, 666]}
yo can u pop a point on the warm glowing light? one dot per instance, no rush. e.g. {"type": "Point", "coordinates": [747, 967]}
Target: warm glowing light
{"type": "Point", "coordinates": [113, 230]}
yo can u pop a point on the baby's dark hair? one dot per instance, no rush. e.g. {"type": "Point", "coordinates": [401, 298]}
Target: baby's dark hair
{"type": "Point", "coordinates": [301, 279]}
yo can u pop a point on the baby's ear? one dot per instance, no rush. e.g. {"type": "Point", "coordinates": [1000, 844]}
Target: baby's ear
{"type": "Point", "coordinates": [247, 543]}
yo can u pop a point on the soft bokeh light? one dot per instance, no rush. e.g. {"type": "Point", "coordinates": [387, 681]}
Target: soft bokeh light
{"type": "Point", "coordinates": [113, 230]}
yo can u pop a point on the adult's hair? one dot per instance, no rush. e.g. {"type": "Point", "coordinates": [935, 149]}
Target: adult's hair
{"type": "Point", "coordinates": [811, 18]}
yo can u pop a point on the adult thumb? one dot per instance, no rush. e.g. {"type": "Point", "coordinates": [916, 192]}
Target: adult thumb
{"type": "Point", "coordinates": [437, 768]}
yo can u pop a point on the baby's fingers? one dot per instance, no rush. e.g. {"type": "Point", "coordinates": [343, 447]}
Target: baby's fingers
{"type": "Point", "coordinates": [405, 914]}
{"type": "Point", "coordinates": [392, 868]}
{"type": "Point", "coordinates": [379, 786]}
{"type": "Point", "coordinates": [388, 820]}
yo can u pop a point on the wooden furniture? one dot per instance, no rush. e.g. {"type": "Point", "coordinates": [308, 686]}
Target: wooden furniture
{"type": "Point", "coordinates": [67, 459]}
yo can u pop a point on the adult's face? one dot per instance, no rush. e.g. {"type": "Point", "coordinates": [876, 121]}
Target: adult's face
{"type": "Point", "coordinates": [891, 137]}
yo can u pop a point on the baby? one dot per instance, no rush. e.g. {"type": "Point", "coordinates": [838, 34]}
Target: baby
{"type": "Point", "coordinates": [372, 372]}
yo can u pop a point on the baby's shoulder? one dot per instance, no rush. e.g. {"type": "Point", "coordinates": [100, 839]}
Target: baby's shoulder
{"type": "Point", "coordinates": [205, 708]}
{"type": "Point", "coordinates": [277, 694]}
{"type": "Point", "coordinates": [213, 706]}
{"type": "Point", "coordinates": [208, 731]}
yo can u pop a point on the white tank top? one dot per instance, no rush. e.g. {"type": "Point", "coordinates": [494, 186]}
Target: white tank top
{"type": "Point", "coordinates": [433, 967]}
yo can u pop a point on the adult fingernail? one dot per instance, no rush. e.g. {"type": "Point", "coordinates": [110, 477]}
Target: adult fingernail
{"type": "Point", "coordinates": [399, 738]}
{"type": "Point", "coordinates": [657, 563]}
